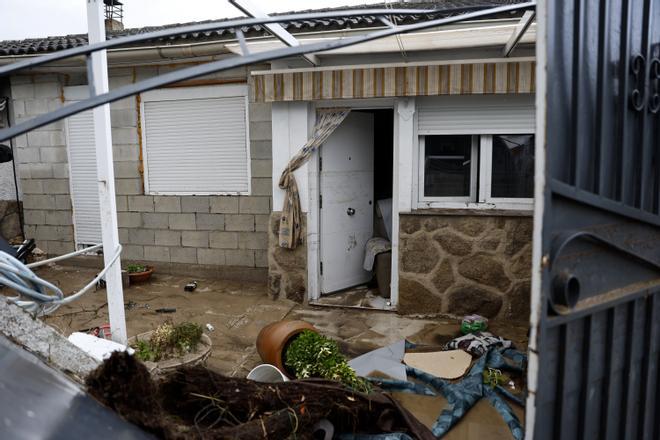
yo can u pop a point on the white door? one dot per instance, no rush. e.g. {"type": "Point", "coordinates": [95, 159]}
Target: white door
{"type": "Point", "coordinates": [347, 188]}
{"type": "Point", "coordinates": [82, 172]}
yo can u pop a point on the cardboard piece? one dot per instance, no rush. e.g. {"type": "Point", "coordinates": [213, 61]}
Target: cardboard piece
{"type": "Point", "coordinates": [386, 360]}
{"type": "Point", "coordinates": [450, 364]}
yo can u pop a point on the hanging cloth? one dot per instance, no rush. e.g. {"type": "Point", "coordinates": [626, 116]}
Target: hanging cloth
{"type": "Point", "coordinates": [327, 120]}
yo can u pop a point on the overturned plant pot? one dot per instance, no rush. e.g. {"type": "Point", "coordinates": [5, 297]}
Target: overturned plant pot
{"type": "Point", "coordinates": [196, 357]}
{"type": "Point", "coordinates": [274, 339]}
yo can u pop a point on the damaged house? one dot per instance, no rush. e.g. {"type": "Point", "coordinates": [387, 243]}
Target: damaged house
{"type": "Point", "coordinates": [424, 141]}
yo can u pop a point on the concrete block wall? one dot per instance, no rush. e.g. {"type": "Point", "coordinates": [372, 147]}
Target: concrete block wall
{"type": "Point", "coordinates": [42, 164]}
{"type": "Point", "coordinates": [199, 230]}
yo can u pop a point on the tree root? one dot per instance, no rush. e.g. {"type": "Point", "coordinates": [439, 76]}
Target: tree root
{"type": "Point", "coordinates": [195, 402]}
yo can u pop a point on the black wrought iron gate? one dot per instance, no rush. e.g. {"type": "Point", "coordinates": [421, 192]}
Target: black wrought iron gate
{"type": "Point", "coordinates": [598, 340]}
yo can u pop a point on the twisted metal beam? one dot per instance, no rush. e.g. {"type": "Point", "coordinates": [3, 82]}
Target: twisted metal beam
{"type": "Point", "coordinates": [237, 61]}
{"type": "Point", "coordinates": [232, 25]}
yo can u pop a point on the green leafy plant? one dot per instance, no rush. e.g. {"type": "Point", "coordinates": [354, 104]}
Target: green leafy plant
{"type": "Point", "coordinates": [136, 268]}
{"type": "Point", "coordinates": [143, 351]}
{"type": "Point", "coordinates": [313, 355]}
{"type": "Point", "coordinates": [169, 340]}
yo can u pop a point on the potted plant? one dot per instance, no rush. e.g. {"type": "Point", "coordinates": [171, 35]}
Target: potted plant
{"type": "Point", "coordinates": [171, 345]}
{"type": "Point", "coordinates": [273, 340]}
{"type": "Point", "coordinates": [138, 273]}
{"type": "Point", "coordinates": [310, 354]}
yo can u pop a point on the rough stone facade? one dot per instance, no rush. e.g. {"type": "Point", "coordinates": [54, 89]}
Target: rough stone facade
{"type": "Point", "coordinates": [10, 223]}
{"type": "Point", "coordinates": [462, 264]}
{"type": "Point", "coordinates": [287, 269]}
{"type": "Point", "coordinates": [200, 230]}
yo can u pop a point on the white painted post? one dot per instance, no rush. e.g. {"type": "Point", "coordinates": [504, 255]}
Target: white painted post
{"type": "Point", "coordinates": [105, 173]}
{"type": "Point", "coordinates": [404, 142]}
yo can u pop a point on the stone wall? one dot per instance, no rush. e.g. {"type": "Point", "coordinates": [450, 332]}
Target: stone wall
{"type": "Point", "coordinates": [209, 230]}
{"type": "Point", "coordinates": [462, 264]}
{"type": "Point", "coordinates": [287, 269]}
{"type": "Point", "coordinates": [10, 223]}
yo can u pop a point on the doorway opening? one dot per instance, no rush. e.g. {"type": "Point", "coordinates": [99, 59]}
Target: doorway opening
{"type": "Point", "coordinates": [355, 207]}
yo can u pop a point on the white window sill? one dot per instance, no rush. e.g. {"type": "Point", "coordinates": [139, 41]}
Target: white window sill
{"type": "Point", "coordinates": [505, 205]}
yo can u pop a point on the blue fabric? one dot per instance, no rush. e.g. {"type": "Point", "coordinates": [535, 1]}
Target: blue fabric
{"type": "Point", "coordinates": [463, 395]}
{"type": "Point", "coordinates": [388, 436]}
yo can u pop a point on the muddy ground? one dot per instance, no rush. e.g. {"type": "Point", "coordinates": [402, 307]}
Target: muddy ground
{"type": "Point", "coordinates": [238, 310]}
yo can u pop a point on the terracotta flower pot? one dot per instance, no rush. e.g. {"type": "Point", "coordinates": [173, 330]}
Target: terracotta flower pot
{"type": "Point", "coordinates": [140, 277]}
{"type": "Point", "coordinates": [274, 339]}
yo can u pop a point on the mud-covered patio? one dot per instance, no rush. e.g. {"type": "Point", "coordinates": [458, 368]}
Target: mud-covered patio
{"type": "Point", "coordinates": [236, 311]}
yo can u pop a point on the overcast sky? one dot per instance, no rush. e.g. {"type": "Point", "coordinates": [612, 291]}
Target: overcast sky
{"type": "Point", "coordinates": [40, 18]}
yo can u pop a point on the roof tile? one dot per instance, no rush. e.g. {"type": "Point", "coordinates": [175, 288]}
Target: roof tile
{"type": "Point", "coordinates": [52, 44]}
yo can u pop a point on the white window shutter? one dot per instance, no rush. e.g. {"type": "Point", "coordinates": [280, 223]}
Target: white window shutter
{"type": "Point", "coordinates": [196, 146]}
{"type": "Point", "coordinates": [484, 114]}
{"type": "Point", "coordinates": [83, 181]}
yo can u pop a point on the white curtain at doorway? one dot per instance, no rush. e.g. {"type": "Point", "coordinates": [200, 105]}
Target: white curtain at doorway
{"type": "Point", "coordinates": [327, 120]}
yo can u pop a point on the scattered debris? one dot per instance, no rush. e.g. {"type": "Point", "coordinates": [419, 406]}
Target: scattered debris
{"type": "Point", "coordinates": [386, 360]}
{"type": "Point", "coordinates": [473, 323]}
{"type": "Point", "coordinates": [464, 394]}
{"type": "Point", "coordinates": [478, 343]}
{"type": "Point", "coordinates": [133, 305]}
{"type": "Point", "coordinates": [267, 373]}
{"type": "Point", "coordinates": [98, 348]}
{"type": "Point", "coordinates": [197, 402]}
{"type": "Point", "coordinates": [166, 310]}
{"type": "Point", "coordinates": [190, 287]}
{"type": "Point", "coordinates": [209, 327]}
{"type": "Point", "coordinates": [102, 331]}
{"type": "Point", "coordinates": [450, 364]}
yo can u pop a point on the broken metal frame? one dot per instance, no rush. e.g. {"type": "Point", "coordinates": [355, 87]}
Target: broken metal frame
{"type": "Point", "coordinates": [252, 10]}
{"type": "Point", "coordinates": [522, 27]}
{"type": "Point", "coordinates": [96, 100]}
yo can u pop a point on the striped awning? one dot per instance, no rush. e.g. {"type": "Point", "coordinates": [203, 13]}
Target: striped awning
{"type": "Point", "coordinates": [379, 82]}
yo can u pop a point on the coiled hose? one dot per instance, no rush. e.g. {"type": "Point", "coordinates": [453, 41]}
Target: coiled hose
{"type": "Point", "coordinates": [37, 295]}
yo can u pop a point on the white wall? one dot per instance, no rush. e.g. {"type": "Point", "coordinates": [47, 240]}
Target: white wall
{"type": "Point", "coordinates": [7, 189]}
{"type": "Point", "coordinates": [291, 121]}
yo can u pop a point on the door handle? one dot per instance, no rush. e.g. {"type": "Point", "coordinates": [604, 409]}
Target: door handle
{"type": "Point", "coordinates": [350, 211]}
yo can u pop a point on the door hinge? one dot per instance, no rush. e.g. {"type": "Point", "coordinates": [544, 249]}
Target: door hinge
{"type": "Point", "coordinates": [321, 267]}
{"type": "Point", "coordinates": [320, 201]}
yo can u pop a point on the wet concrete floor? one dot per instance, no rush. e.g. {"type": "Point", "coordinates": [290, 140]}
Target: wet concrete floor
{"type": "Point", "coordinates": [238, 310]}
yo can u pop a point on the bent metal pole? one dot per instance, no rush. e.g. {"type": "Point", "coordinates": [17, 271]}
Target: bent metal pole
{"type": "Point", "coordinates": [97, 73]}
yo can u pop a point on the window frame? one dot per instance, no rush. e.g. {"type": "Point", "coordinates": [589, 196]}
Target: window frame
{"type": "Point", "coordinates": [481, 179]}
{"type": "Point", "coordinates": [192, 93]}
{"type": "Point", "coordinates": [474, 168]}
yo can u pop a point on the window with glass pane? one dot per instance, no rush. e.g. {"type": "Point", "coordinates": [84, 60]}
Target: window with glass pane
{"type": "Point", "coordinates": [447, 166]}
{"type": "Point", "coordinates": [513, 166]}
